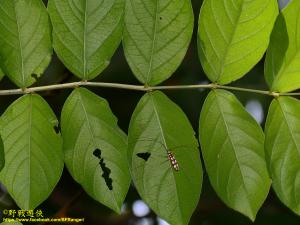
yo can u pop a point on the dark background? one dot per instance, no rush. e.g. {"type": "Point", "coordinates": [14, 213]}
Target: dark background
{"type": "Point", "coordinates": [68, 198]}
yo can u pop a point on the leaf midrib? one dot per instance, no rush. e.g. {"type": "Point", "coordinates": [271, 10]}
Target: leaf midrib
{"type": "Point", "coordinates": [20, 45]}
{"type": "Point", "coordinates": [87, 119]}
{"type": "Point", "coordinates": [282, 71]}
{"type": "Point", "coordinates": [153, 42]}
{"type": "Point", "coordinates": [230, 40]}
{"type": "Point", "coordinates": [84, 41]}
{"type": "Point", "coordinates": [94, 142]}
{"type": "Point", "coordinates": [282, 108]}
{"type": "Point", "coordinates": [233, 147]}
{"type": "Point", "coordinates": [29, 145]}
{"type": "Point", "coordinates": [162, 134]}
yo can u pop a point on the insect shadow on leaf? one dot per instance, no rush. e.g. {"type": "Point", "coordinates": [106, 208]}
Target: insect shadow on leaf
{"type": "Point", "coordinates": [144, 155]}
{"type": "Point", "coordinates": [170, 156]}
{"type": "Point", "coordinates": [106, 171]}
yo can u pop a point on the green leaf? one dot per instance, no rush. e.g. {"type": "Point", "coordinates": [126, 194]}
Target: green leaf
{"type": "Point", "coordinates": [2, 158]}
{"type": "Point", "coordinates": [157, 126]}
{"type": "Point", "coordinates": [33, 151]}
{"type": "Point", "coordinates": [156, 37]}
{"type": "Point", "coordinates": [233, 36]}
{"type": "Point", "coordinates": [233, 150]}
{"type": "Point", "coordinates": [282, 65]}
{"type": "Point", "coordinates": [283, 150]}
{"type": "Point", "coordinates": [95, 148]}
{"type": "Point", "coordinates": [86, 33]}
{"type": "Point", "coordinates": [25, 40]}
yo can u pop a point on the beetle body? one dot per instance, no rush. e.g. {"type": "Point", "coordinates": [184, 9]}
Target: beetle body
{"type": "Point", "coordinates": [173, 161]}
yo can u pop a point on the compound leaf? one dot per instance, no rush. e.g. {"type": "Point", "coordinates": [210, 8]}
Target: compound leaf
{"type": "Point", "coordinates": [282, 65]}
{"type": "Point", "coordinates": [95, 148]}
{"type": "Point", "coordinates": [156, 37]}
{"type": "Point", "coordinates": [283, 150]}
{"type": "Point", "coordinates": [232, 145]}
{"type": "Point", "coordinates": [233, 36]}
{"type": "Point", "coordinates": [159, 131]}
{"type": "Point", "coordinates": [25, 40]}
{"type": "Point", "coordinates": [86, 33]}
{"type": "Point", "coordinates": [33, 151]}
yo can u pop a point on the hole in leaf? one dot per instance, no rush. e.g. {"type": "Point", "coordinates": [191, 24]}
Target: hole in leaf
{"type": "Point", "coordinates": [105, 174]}
{"type": "Point", "coordinates": [160, 18]}
{"type": "Point", "coordinates": [105, 169]}
{"type": "Point", "coordinates": [56, 129]}
{"type": "Point", "coordinates": [34, 76]}
{"type": "Point", "coordinates": [97, 153]}
{"type": "Point", "coordinates": [144, 155]}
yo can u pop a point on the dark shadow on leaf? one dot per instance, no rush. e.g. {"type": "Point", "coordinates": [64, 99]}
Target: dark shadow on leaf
{"type": "Point", "coordinates": [279, 42]}
{"type": "Point", "coordinates": [144, 155]}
